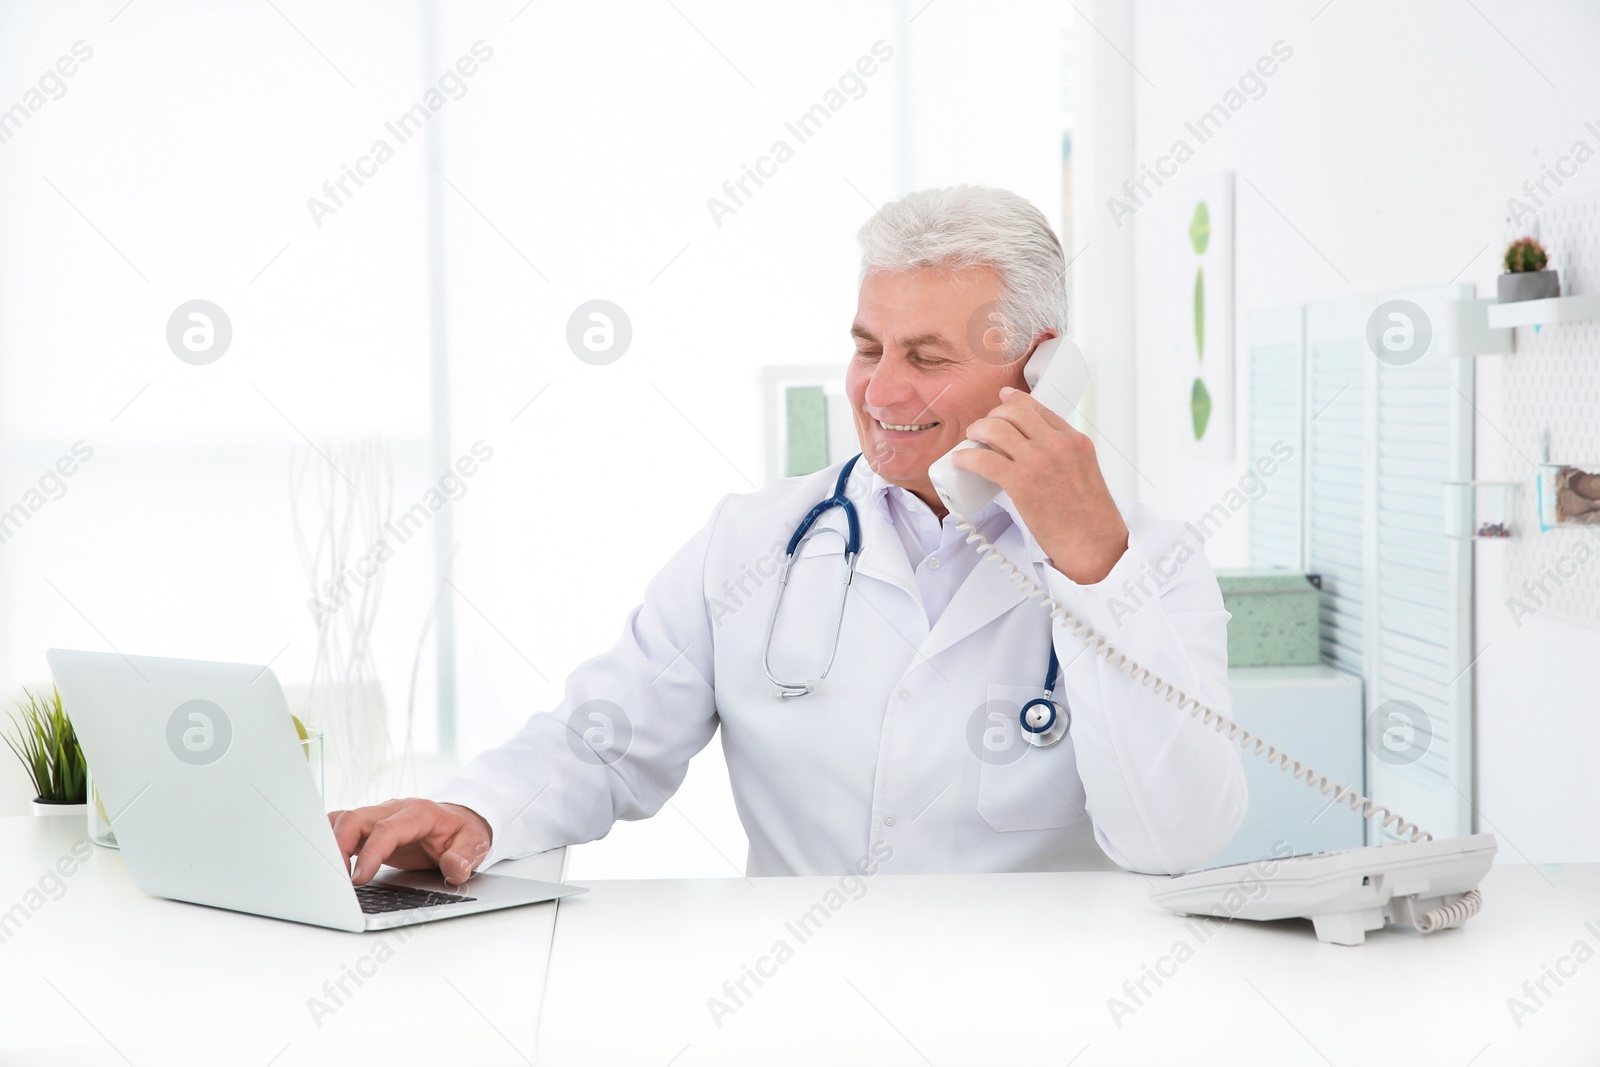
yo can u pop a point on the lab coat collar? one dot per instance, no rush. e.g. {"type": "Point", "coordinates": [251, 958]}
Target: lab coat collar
{"type": "Point", "coordinates": [882, 555]}
{"type": "Point", "coordinates": [988, 592]}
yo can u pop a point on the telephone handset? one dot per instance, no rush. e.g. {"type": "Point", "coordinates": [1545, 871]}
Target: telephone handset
{"type": "Point", "coordinates": [1420, 882]}
{"type": "Point", "coordinates": [1057, 375]}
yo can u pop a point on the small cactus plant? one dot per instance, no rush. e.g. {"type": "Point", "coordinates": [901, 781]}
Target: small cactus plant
{"type": "Point", "coordinates": [1525, 254]}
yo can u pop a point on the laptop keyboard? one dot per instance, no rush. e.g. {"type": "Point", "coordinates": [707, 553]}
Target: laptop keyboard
{"type": "Point", "coordinates": [376, 898]}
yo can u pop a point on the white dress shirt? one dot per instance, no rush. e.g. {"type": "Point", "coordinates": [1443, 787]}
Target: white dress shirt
{"type": "Point", "coordinates": [938, 553]}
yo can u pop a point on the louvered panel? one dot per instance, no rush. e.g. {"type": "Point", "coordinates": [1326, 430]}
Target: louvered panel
{"type": "Point", "coordinates": [1421, 439]}
{"type": "Point", "coordinates": [1342, 547]}
{"type": "Point", "coordinates": [1335, 531]}
{"type": "Point", "coordinates": [1415, 471]}
{"type": "Point", "coordinates": [1410, 514]}
{"type": "Point", "coordinates": [1407, 547]}
{"type": "Point", "coordinates": [1380, 440]}
{"type": "Point", "coordinates": [1410, 481]}
{"type": "Point", "coordinates": [1408, 687]}
{"type": "Point", "coordinates": [1433, 774]}
{"type": "Point", "coordinates": [1414, 521]}
{"type": "Point", "coordinates": [1421, 593]}
{"type": "Point", "coordinates": [1417, 404]}
{"type": "Point", "coordinates": [1341, 484]}
{"type": "Point", "coordinates": [1336, 458]}
{"type": "Point", "coordinates": [1411, 526]}
{"type": "Point", "coordinates": [1342, 638]}
{"type": "Point", "coordinates": [1416, 662]}
{"type": "Point", "coordinates": [1277, 418]}
{"type": "Point", "coordinates": [1344, 565]}
{"type": "Point", "coordinates": [1395, 561]}
{"type": "Point", "coordinates": [1281, 528]}
{"type": "Point", "coordinates": [1423, 435]}
{"type": "Point", "coordinates": [1433, 631]}
{"type": "Point", "coordinates": [1338, 439]}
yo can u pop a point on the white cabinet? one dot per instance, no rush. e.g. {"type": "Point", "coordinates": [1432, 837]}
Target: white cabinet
{"type": "Point", "coordinates": [1313, 713]}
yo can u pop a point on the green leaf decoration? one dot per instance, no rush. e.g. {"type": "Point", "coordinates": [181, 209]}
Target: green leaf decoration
{"type": "Point", "coordinates": [46, 743]}
{"type": "Point", "coordinates": [1200, 408]}
{"type": "Point", "coordinates": [1200, 228]}
{"type": "Point", "coordinates": [1200, 313]}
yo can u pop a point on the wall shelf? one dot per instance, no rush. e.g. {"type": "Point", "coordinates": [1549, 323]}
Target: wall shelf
{"type": "Point", "coordinates": [1541, 312]}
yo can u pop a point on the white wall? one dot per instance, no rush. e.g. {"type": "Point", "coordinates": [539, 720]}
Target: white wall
{"type": "Point", "coordinates": [174, 164]}
{"type": "Point", "coordinates": [1382, 155]}
{"type": "Point", "coordinates": [177, 162]}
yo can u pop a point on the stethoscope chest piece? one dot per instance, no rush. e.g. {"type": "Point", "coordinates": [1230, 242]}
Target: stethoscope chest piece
{"type": "Point", "coordinates": [1044, 722]}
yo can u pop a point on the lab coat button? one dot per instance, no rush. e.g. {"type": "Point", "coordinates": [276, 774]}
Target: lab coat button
{"type": "Point", "coordinates": [888, 820]}
{"type": "Point", "coordinates": [933, 563]}
{"type": "Point", "coordinates": [905, 694]}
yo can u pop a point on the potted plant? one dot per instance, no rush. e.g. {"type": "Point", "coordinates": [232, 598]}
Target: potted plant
{"type": "Point", "coordinates": [1525, 277]}
{"type": "Point", "coordinates": [47, 745]}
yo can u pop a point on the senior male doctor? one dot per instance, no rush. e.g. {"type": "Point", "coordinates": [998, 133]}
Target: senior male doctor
{"type": "Point", "coordinates": [908, 755]}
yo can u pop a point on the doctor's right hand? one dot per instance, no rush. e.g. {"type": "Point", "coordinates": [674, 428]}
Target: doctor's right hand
{"type": "Point", "coordinates": [414, 835]}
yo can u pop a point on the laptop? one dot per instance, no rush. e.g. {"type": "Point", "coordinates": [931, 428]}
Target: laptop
{"type": "Point", "coordinates": [205, 782]}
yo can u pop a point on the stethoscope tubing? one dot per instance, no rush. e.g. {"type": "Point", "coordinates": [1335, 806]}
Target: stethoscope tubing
{"type": "Point", "coordinates": [1040, 729]}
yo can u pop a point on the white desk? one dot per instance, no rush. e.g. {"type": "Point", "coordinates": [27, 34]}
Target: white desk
{"type": "Point", "coordinates": [939, 969]}
{"type": "Point", "coordinates": [155, 982]}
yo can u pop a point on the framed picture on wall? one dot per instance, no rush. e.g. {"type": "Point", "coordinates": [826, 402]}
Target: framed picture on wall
{"type": "Point", "coordinates": [807, 419]}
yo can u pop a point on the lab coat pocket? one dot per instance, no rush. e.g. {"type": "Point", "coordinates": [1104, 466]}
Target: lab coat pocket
{"type": "Point", "coordinates": [1021, 786]}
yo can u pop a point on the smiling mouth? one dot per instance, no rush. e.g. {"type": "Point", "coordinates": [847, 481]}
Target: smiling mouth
{"type": "Point", "coordinates": [905, 427]}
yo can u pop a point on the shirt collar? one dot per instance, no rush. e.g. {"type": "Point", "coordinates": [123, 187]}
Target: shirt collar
{"type": "Point", "coordinates": [882, 487]}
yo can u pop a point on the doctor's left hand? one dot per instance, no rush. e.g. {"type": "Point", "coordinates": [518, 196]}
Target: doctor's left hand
{"type": "Point", "coordinates": [1051, 473]}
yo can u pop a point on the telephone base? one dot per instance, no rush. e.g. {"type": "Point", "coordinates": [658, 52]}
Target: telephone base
{"type": "Point", "coordinates": [1428, 885]}
{"type": "Point", "coordinates": [1348, 927]}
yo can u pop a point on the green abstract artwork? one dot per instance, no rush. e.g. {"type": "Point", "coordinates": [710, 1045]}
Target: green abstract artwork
{"type": "Point", "coordinates": [1200, 407]}
{"type": "Point", "coordinates": [806, 411]}
{"type": "Point", "coordinates": [1200, 228]}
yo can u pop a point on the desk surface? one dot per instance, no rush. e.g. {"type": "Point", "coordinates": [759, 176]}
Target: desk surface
{"type": "Point", "coordinates": [948, 969]}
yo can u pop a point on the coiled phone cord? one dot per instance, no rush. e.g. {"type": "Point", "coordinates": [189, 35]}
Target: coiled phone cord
{"type": "Point", "coordinates": [1443, 918]}
{"type": "Point", "coordinates": [1145, 677]}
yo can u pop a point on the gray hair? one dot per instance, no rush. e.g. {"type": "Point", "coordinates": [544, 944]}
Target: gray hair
{"type": "Point", "coordinates": [967, 226]}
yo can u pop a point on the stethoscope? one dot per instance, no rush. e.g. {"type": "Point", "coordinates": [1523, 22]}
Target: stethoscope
{"type": "Point", "coordinates": [1042, 724]}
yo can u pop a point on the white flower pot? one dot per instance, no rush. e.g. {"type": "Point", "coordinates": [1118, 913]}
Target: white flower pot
{"type": "Point", "coordinates": [40, 807]}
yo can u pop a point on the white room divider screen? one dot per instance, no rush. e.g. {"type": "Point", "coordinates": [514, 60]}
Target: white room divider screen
{"type": "Point", "coordinates": [1365, 510]}
{"type": "Point", "coordinates": [1277, 396]}
{"type": "Point", "coordinates": [1336, 467]}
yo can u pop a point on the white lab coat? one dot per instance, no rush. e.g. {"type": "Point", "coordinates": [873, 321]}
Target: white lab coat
{"type": "Point", "coordinates": [884, 758]}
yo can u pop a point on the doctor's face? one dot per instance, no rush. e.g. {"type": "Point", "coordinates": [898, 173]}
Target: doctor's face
{"type": "Point", "coordinates": [915, 382]}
